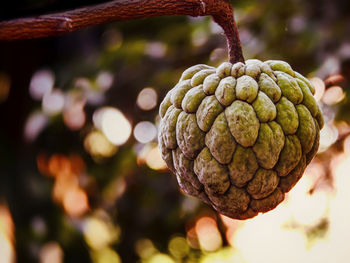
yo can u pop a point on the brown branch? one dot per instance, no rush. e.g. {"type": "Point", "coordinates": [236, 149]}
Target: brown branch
{"type": "Point", "coordinates": [118, 10]}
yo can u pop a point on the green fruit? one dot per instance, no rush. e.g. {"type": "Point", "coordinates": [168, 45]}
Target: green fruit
{"type": "Point", "coordinates": [240, 136]}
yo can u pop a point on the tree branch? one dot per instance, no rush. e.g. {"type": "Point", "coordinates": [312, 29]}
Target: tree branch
{"type": "Point", "coordinates": [118, 10]}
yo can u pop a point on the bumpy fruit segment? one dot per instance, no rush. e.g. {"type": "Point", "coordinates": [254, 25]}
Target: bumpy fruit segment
{"type": "Point", "coordinates": [240, 136]}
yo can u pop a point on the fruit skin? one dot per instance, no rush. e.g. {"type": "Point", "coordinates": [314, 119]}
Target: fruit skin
{"type": "Point", "coordinates": [240, 136]}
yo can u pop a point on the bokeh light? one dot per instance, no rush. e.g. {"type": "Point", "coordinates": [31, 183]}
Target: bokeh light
{"type": "Point", "coordinates": [208, 234]}
{"type": "Point", "coordinates": [160, 258]}
{"type": "Point", "coordinates": [59, 165]}
{"type": "Point", "coordinates": [145, 131]}
{"type": "Point", "coordinates": [319, 87]}
{"type": "Point", "coordinates": [147, 99]}
{"type": "Point", "coordinates": [339, 216]}
{"type": "Point", "coordinates": [34, 124]}
{"type": "Point", "coordinates": [178, 247]}
{"type": "Point", "coordinates": [74, 115]}
{"type": "Point", "coordinates": [192, 238]}
{"type": "Point", "coordinates": [93, 90]}
{"type": "Point", "coordinates": [300, 194]}
{"type": "Point", "coordinates": [66, 170]}
{"type": "Point", "coordinates": [7, 253]}
{"type": "Point", "coordinates": [145, 248]}
{"type": "Point", "coordinates": [105, 255]}
{"type": "Point", "coordinates": [51, 253]}
{"type": "Point", "coordinates": [263, 240]}
{"type": "Point", "coordinates": [63, 184]}
{"type": "Point", "coordinates": [104, 80]}
{"type": "Point", "coordinates": [152, 157]}
{"type": "Point", "coordinates": [328, 135]}
{"type": "Point", "coordinates": [155, 49]}
{"type": "Point", "coordinates": [333, 95]}
{"type": "Point", "coordinates": [225, 255]}
{"type": "Point", "coordinates": [113, 124]}
{"type": "Point", "coordinates": [53, 102]}
{"type": "Point", "coordinates": [98, 146]}
{"type": "Point", "coordinates": [77, 164]}
{"type": "Point", "coordinates": [98, 233]}
{"type": "Point", "coordinates": [42, 82]}
{"type": "Point", "coordinates": [75, 202]}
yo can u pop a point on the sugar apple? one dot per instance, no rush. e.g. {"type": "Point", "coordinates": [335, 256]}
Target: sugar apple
{"type": "Point", "coordinates": [241, 135]}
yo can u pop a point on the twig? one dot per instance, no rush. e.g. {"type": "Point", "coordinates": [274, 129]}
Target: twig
{"type": "Point", "coordinates": [118, 10]}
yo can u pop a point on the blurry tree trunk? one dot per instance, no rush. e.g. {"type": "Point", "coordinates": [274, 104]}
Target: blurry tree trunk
{"type": "Point", "coordinates": [118, 10]}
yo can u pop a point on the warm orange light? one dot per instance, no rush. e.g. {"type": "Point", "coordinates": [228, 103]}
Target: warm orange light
{"type": "Point", "coordinates": [154, 159]}
{"type": "Point", "coordinates": [208, 234]}
{"type": "Point", "coordinates": [229, 222]}
{"type": "Point", "coordinates": [75, 202]}
{"type": "Point", "coordinates": [150, 154]}
{"type": "Point", "coordinates": [59, 164]}
{"type": "Point", "coordinates": [7, 254]}
{"type": "Point", "coordinates": [192, 238]}
{"type": "Point", "coordinates": [42, 164]}
{"type": "Point", "coordinates": [64, 183]}
{"type": "Point", "coordinates": [77, 163]}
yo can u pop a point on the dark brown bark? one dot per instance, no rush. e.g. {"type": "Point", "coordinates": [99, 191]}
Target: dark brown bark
{"type": "Point", "coordinates": [118, 10]}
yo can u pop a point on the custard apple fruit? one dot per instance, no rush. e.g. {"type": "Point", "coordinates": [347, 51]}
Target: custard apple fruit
{"type": "Point", "coordinates": [241, 135]}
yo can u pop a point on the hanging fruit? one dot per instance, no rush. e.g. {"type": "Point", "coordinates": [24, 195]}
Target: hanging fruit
{"type": "Point", "coordinates": [241, 135]}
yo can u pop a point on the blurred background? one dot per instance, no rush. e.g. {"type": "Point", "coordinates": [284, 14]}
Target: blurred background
{"type": "Point", "coordinates": [81, 177]}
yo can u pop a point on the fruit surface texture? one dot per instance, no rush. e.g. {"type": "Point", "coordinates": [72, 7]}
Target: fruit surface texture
{"type": "Point", "coordinates": [240, 136]}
